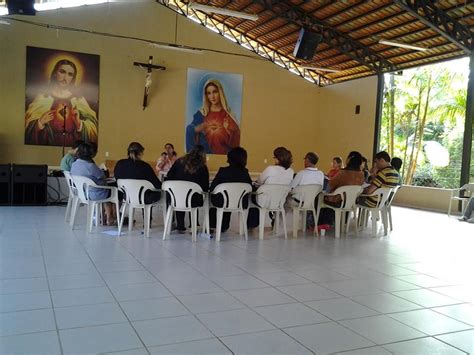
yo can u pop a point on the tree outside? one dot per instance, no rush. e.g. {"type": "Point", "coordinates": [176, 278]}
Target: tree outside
{"type": "Point", "coordinates": [423, 122]}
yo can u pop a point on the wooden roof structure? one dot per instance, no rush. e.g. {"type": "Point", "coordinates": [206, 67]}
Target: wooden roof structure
{"type": "Point", "coordinates": [350, 29]}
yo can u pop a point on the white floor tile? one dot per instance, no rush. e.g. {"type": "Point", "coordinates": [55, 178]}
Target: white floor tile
{"type": "Point", "coordinates": [89, 315]}
{"type": "Point", "coordinates": [99, 339]}
{"type": "Point", "coordinates": [171, 330]}
{"type": "Point", "coordinates": [374, 350]}
{"type": "Point", "coordinates": [234, 322]}
{"type": "Point", "coordinates": [128, 277]}
{"type": "Point", "coordinates": [23, 285]}
{"type": "Point", "coordinates": [153, 308]}
{"type": "Point", "coordinates": [382, 329]}
{"type": "Point", "coordinates": [426, 298]}
{"type": "Point", "coordinates": [422, 347]}
{"type": "Point", "coordinates": [424, 280]}
{"type": "Point", "coordinates": [139, 291]}
{"type": "Point", "coordinates": [461, 340]}
{"type": "Point", "coordinates": [282, 278]}
{"type": "Point", "coordinates": [328, 338]}
{"type": "Point", "coordinates": [240, 282]}
{"type": "Point", "coordinates": [210, 302]}
{"type": "Point", "coordinates": [290, 315]}
{"type": "Point", "coordinates": [208, 346]}
{"type": "Point", "coordinates": [386, 303]}
{"type": "Point", "coordinates": [262, 297]}
{"type": "Point", "coordinates": [75, 281]}
{"type": "Point", "coordinates": [45, 343]}
{"type": "Point", "coordinates": [429, 322]}
{"type": "Point", "coordinates": [461, 312]}
{"type": "Point", "coordinates": [268, 342]}
{"type": "Point", "coordinates": [81, 296]}
{"type": "Point", "coordinates": [24, 301]}
{"type": "Point", "coordinates": [308, 292]}
{"type": "Point", "coordinates": [14, 323]}
{"type": "Point", "coordinates": [341, 308]}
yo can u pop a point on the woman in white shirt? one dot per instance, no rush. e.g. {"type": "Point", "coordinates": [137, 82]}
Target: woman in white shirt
{"type": "Point", "coordinates": [278, 174]}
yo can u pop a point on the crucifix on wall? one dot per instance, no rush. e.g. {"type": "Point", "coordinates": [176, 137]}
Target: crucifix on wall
{"type": "Point", "coordinates": [149, 67]}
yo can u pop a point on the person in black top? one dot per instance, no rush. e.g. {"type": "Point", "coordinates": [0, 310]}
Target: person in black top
{"type": "Point", "coordinates": [191, 167]}
{"type": "Point", "coordinates": [135, 168]}
{"type": "Point", "coordinates": [235, 172]}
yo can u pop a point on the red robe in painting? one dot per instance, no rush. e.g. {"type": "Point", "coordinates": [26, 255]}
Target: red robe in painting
{"type": "Point", "coordinates": [221, 132]}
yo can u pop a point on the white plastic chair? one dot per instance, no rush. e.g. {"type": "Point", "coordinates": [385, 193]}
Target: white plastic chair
{"type": "Point", "coordinates": [134, 190]}
{"type": "Point", "coordinates": [181, 193]}
{"type": "Point", "coordinates": [388, 205]}
{"type": "Point", "coordinates": [233, 194]}
{"type": "Point", "coordinates": [304, 197]}
{"type": "Point", "coordinates": [468, 190]}
{"type": "Point", "coordinates": [83, 185]}
{"type": "Point", "coordinates": [349, 196]}
{"type": "Point", "coordinates": [271, 198]}
{"type": "Point", "coordinates": [72, 195]}
{"type": "Point", "coordinates": [381, 195]}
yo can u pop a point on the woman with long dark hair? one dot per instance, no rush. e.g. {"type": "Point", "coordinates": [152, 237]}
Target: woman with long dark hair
{"type": "Point", "coordinates": [191, 167]}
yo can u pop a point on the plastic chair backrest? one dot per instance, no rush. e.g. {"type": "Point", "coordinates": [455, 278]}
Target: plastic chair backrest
{"type": "Point", "coordinates": [233, 194]}
{"type": "Point", "coordinates": [349, 194]}
{"type": "Point", "coordinates": [134, 190]}
{"type": "Point", "coordinates": [382, 194]}
{"type": "Point", "coordinates": [272, 196]}
{"type": "Point", "coordinates": [70, 183]}
{"type": "Point", "coordinates": [392, 195]}
{"type": "Point", "coordinates": [82, 185]}
{"type": "Point", "coordinates": [181, 192]}
{"type": "Point", "coordinates": [306, 195]}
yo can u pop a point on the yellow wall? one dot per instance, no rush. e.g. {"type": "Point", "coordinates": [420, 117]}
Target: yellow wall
{"type": "Point", "coordinates": [278, 108]}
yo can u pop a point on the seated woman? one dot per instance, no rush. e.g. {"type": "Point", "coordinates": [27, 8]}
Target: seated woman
{"type": "Point", "coordinates": [135, 168]}
{"type": "Point", "coordinates": [85, 166]}
{"type": "Point", "coordinates": [350, 175]}
{"type": "Point", "coordinates": [235, 172]}
{"type": "Point", "coordinates": [279, 174]}
{"type": "Point", "coordinates": [167, 159]}
{"type": "Point", "coordinates": [191, 167]}
{"type": "Point", "coordinates": [336, 165]}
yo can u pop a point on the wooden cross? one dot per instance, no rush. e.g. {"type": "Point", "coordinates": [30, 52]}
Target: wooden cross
{"type": "Point", "coordinates": [149, 66]}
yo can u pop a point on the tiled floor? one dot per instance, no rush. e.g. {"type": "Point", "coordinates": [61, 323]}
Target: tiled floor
{"type": "Point", "coordinates": [70, 292]}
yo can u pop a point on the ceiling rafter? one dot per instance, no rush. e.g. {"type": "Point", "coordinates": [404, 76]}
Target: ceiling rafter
{"type": "Point", "coordinates": [437, 19]}
{"type": "Point", "coordinates": [331, 36]}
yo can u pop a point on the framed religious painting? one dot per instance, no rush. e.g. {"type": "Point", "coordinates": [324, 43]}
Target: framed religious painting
{"type": "Point", "coordinates": [62, 97]}
{"type": "Point", "coordinates": [213, 110]}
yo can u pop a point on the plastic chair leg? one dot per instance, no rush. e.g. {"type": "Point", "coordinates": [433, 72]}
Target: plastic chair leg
{"type": "Point", "coordinates": [261, 226]}
{"type": "Point", "coordinates": [68, 208]}
{"type": "Point", "coordinates": [337, 224]}
{"type": "Point", "coordinates": [315, 230]}
{"type": "Point", "coordinates": [389, 213]}
{"type": "Point", "coordinates": [130, 218]}
{"type": "Point", "coordinates": [373, 216]}
{"type": "Point", "coordinates": [117, 209]}
{"type": "Point", "coordinates": [296, 216]}
{"type": "Point", "coordinates": [244, 215]}
{"type": "Point", "coordinates": [304, 222]}
{"type": "Point", "coordinates": [277, 222]}
{"type": "Point", "coordinates": [169, 218]}
{"type": "Point", "coordinates": [122, 217]}
{"type": "Point", "coordinates": [90, 215]}
{"type": "Point", "coordinates": [72, 218]}
{"type": "Point", "coordinates": [384, 221]}
{"type": "Point", "coordinates": [219, 215]}
{"type": "Point", "coordinates": [194, 223]}
{"type": "Point", "coordinates": [146, 222]}
{"type": "Point", "coordinates": [283, 219]}
{"type": "Point", "coordinates": [449, 208]}
{"type": "Point", "coordinates": [348, 217]}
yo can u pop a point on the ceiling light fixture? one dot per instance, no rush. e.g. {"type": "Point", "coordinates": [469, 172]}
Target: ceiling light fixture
{"type": "Point", "coordinates": [402, 45]}
{"type": "Point", "coordinates": [222, 11]}
{"type": "Point", "coordinates": [176, 47]}
{"type": "Point", "coordinates": [322, 69]}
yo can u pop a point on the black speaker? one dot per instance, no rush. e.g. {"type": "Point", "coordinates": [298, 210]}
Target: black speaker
{"type": "Point", "coordinates": [21, 7]}
{"type": "Point", "coordinates": [29, 184]}
{"type": "Point", "coordinates": [306, 45]}
{"type": "Point", "coordinates": [5, 184]}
